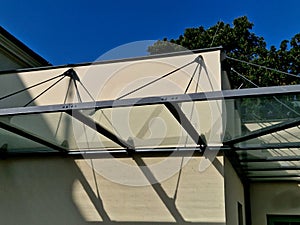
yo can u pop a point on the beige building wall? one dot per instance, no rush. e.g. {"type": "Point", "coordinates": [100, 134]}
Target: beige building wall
{"type": "Point", "coordinates": [234, 188]}
{"type": "Point", "coordinates": [274, 198]}
{"type": "Point", "coordinates": [58, 191]}
{"type": "Point", "coordinates": [234, 194]}
{"type": "Point", "coordinates": [54, 190]}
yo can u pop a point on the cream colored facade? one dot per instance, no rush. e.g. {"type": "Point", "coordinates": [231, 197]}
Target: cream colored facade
{"type": "Point", "coordinates": [67, 191]}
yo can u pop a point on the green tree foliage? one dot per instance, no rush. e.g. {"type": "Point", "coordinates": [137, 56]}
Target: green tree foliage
{"type": "Point", "coordinates": [239, 42]}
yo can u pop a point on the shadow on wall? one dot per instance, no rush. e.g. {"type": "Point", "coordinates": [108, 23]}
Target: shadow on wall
{"type": "Point", "coordinates": [66, 191]}
{"type": "Point", "coordinates": [288, 199]}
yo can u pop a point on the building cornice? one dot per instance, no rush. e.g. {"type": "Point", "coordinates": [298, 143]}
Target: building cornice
{"type": "Point", "coordinates": [19, 52]}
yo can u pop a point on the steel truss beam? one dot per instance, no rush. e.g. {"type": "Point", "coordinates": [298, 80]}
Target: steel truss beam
{"type": "Point", "coordinates": [116, 153]}
{"type": "Point", "coordinates": [176, 111]}
{"type": "Point", "coordinates": [203, 96]}
{"type": "Point", "coordinates": [170, 102]}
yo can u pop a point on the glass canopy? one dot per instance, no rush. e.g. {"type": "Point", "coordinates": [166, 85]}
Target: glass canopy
{"type": "Point", "coordinates": [259, 127]}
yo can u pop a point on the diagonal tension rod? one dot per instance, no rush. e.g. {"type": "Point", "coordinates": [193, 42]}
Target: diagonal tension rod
{"type": "Point", "coordinates": [159, 78]}
{"type": "Point", "coordinates": [69, 73]}
{"type": "Point", "coordinates": [25, 89]}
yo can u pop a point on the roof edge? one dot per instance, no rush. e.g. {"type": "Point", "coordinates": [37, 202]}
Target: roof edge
{"type": "Point", "coordinates": [155, 56]}
{"type": "Point", "coordinates": [18, 45]}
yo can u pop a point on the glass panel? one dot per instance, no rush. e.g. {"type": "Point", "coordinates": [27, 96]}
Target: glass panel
{"type": "Point", "coordinates": [263, 113]}
{"type": "Point", "coordinates": [206, 117]}
{"type": "Point", "coordinates": [60, 129]}
{"type": "Point", "coordinates": [291, 135]}
{"type": "Point", "coordinates": [269, 109]}
{"type": "Point", "coordinates": [154, 126]}
{"type": "Point", "coordinates": [88, 138]}
{"type": "Point", "coordinates": [15, 143]}
{"type": "Point", "coordinates": [150, 126]}
{"type": "Point", "coordinates": [270, 162]}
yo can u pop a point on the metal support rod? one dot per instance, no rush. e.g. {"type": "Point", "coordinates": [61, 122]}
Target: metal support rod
{"type": "Point", "coordinates": [32, 86]}
{"type": "Point", "coordinates": [157, 79]}
{"type": "Point", "coordinates": [43, 92]}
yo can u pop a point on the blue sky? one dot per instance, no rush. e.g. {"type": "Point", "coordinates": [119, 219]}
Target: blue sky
{"type": "Point", "coordinates": [76, 31]}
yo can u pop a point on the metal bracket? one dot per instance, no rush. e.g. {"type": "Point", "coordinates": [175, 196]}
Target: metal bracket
{"type": "Point", "coordinates": [72, 74]}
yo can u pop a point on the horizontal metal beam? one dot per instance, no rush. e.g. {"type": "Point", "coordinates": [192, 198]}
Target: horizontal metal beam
{"type": "Point", "coordinates": [278, 179]}
{"type": "Point", "coordinates": [203, 96]}
{"type": "Point", "coordinates": [272, 169]}
{"type": "Point", "coordinates": [32, 137]}
{"type": "Point", "coordinates": [281, 146]}
{"type": "Point", "coordinates": [264, 131]}
{"type": "Point", "coordinates": [275, 176]}
{"type": "Point", "coordinates": [181, 118]}
{"type": "Point", "coordinates": [272, 159]}
{"type": "Point", "coordinates": [100, 129]}
{"type": "Point", "coordinates": [116, 153]}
